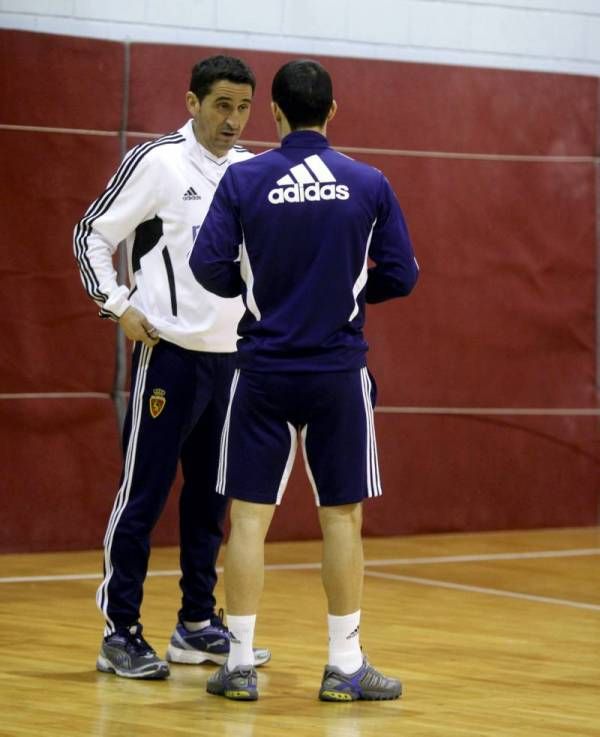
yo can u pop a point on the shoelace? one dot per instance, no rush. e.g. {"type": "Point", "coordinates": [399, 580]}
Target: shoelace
{"type": "Point", "coordinates": [137, 643]}
{"type": "Point", "coordinates": [217, 621]}
{"type": "Point", "coordinates": [246, 675]}
{"type": "Point", "coordinates": [374, 679]}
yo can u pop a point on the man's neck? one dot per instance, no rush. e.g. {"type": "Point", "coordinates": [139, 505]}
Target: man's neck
{"type": "Point", "coordinates": [286, 130]}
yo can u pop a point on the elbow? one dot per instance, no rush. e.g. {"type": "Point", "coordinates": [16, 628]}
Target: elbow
{"type": "Point", "coordinates": [224, 290]}
{"type": "Point", "coordinates": [410, 281]}
{"type": "Point", "coordinates": [198, 271]}
{"type": "Point", "coordinates": [382, 286]}
{"type": "Point", "coordinates": [216, 278]}
{"type": "Point", "coordinates": [401, 289]}
{"type": "Point", "coordinates": [203, 274]}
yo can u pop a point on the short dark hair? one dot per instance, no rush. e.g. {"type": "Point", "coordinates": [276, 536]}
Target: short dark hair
{"type": "Point", "coordinates": [304, 92]}
{"type": "Point", "coordinates": [214, 68]}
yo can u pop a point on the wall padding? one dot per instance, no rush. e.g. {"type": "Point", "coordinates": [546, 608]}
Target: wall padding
{"type": "Point", "coordinates": [60, 465]}
{"type": "Point", "coordinates": [61, 81]}
{"type": "Point", "coordinates": [395, 105]}
{"type": "Point", "coordinates": [503, 315]}
{"type": "Point", "coordinates": [54, 341]}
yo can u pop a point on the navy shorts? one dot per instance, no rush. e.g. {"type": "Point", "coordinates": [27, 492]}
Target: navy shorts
{"type": "Point", "coordinates": [330, 414]}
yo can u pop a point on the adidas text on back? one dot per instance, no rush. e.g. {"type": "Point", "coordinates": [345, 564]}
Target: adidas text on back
{"type": "Point", "coordinates": [308, 193]}
{"type": "Point", "coordinates": [310, 181]}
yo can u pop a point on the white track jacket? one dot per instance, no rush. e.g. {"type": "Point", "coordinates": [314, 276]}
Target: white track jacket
{"type": "Point", "coordinates": [156, 202]}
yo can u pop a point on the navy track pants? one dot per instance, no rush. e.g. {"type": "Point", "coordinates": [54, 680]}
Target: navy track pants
{"type": "Point", "coordinates": [176, 411]}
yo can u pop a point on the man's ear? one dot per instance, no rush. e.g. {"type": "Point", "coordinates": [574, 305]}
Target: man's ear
{"type": "Point", "coordinates": [332, 110]}
{"type": "Point", "coordinates": [191, 102]}
{"type": "Point", "coordinates": [276, 112]}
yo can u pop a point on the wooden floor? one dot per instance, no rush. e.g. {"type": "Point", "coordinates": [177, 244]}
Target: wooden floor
{"type": "Point", "coordinates": [492, 634]}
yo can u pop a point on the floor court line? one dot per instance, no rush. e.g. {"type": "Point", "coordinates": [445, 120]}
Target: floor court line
{"type": "Point", "coordinates": [425, 560]}
{"type": "Point", "coordinates": [480, 558]}
{"type": "Point", "coordinates": [483, 590]}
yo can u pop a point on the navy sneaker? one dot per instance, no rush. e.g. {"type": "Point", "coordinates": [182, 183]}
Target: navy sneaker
{"type": "Point", "coordinates": [239, 684]}
{"type": "Point", "coordinates": [367, 684]}
{"type": "Point", "coordinates": [208, 644]}
{"type": "Point", "coordinates": [126, 653]}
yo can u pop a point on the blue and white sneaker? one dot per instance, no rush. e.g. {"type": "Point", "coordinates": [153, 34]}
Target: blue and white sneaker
{"type": "Point", "coordinates": [208, 644]}
{"type": "Point", "coordinates": [366, 684]}
{"type": "Point", "coordinates": [127, 654]}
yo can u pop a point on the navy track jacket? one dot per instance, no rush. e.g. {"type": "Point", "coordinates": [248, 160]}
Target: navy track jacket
{"type": "Point", "coordinates": [292, 231]}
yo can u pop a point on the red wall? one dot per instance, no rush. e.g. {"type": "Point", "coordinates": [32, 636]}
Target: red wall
{"type": "Point", "coordinates": [503, 316]}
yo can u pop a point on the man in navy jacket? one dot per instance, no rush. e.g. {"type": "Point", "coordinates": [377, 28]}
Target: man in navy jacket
{"type": "Point", "coordinates": [292, 230]}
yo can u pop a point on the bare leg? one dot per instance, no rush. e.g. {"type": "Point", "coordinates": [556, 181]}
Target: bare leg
{"type": "Point", "coordinates": [245, 556]}
{"type": "Point", "coordinates": [342, 570]}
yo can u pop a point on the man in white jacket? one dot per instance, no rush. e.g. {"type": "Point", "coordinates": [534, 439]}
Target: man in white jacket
{"type": "Point", "coordinates": [182, 366]}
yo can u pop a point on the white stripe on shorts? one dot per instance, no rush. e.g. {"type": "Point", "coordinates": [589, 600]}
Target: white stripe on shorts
{"type": "Point", "coordinates": [222, 472]}
{"type": "Point", "coordinates": [309, 472]}
{"type": "Point", "coordinates": [122, 498]}
{"type": "Point", "coordinates": [289, 463]}
{"type": "Point", "coordinates": [373, 477]}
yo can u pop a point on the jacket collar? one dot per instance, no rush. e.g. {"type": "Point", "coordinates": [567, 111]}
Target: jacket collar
{"type": "Point", "coordinates": [302, 139]}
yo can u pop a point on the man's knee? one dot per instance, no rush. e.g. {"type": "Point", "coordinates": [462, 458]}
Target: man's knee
{"type": "Point", "coordinates": [250, 519]}
{"type": "Point", "coordinates": [345, 516]}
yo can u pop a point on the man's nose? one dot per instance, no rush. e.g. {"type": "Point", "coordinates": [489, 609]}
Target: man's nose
{"type": "Point", "coordinates": [233, 119]}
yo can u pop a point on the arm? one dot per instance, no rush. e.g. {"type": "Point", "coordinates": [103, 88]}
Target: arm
{"type": "Point", "coordinates": [396, 271]}
{"type": "Point", "coordinates": [214, 258]}
{"type": "Point", "coordinates": [97, 261]}
{"type": "Point", "coordinates": [128, 200]}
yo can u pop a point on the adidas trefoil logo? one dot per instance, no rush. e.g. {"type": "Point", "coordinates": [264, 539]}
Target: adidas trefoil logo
{"type": "Point", "coordinates": [311, 181]}
{"type": "Point", "coordinates": [191, 194]}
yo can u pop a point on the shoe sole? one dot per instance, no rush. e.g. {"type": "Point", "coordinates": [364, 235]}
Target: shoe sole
{"type": "Point", "coordinates": [193, 657]}
{"type": "Point", "coordinates": [197, 657]}
{"type": "Point", "coordinates": [345, 696]}
{"type": "Point", "coordinates": [239, 695]}
{"type": "Point", "coordinates": [159, 674]}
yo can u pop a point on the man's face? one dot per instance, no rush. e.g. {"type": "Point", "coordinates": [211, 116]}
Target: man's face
{"type": "Point", "coordinates": [221, 116]}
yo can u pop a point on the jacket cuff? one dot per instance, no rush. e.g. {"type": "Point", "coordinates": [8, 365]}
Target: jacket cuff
{"type": "Point", "coordinates": [116, 304]}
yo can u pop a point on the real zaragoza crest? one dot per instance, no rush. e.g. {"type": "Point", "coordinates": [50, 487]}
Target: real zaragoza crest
{"type": "Point", "coordinates": [157, 402]}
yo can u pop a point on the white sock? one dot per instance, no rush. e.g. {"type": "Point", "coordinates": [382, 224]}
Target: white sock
{"type": "Point", "coordinates": [241, 632]}
{"type": "Point", "coordinates": [344, 642]}
{"type": "Point", "coordinates": [195, 626]}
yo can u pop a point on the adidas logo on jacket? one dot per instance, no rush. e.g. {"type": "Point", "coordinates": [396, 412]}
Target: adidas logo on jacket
{"type": "Point", "coordinates": [303, 187]}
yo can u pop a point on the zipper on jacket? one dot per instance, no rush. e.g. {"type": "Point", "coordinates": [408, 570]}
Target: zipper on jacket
{"type": "Point", "coordinates": [171, 277]}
